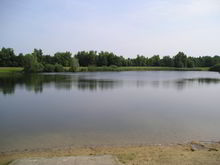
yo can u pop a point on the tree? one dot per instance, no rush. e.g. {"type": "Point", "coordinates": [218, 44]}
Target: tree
{"type": "Point", "coordinates": [129, 62]}
{"type": "Point", "coordinates": [58, 68]}
{"type": "Point", "coordinates": [167, 61]}
{"type": "Point", "coordinates": [92, 58]}
{"type": "Point", "coordinates": [63, 58]}
{"type": "Point", "coordinates": [180, 60]}
{"type": "Point", "coordinates": [7, 57]}
{"type": "Point", "coordinates": [190, 62]}
{"type": "Point", "coordinates": [47, 59]}
{"type": "Point", "coordinates": [215, 68]}
{"type": "Point", "coordinates": [31, 65]}
{"type": "Point", "coordinates": [207, 61]}
{"type": "Point", "coordinates": [140, 61]}
{"type": "Point", "coordinates": [49, 68]}
{"type": "Point", "coordinates": [36, 60]}
{"type": "Point", "coordinates": [155, 60]}
{"type": "Point", "coordinates": [20, 60]}
{"type": "Point", "coordinates": [87, 58]}
{"type": "Point", "coordinates": [82, 57]}
{"type": "Point", "coordinates": [102, 59]}
{"type": "Point", "coordinates": [39, 54]}
{"type": "Point", "coordinates": [74, 66]}
{"type": "Point", "coordinates": [216, 60]}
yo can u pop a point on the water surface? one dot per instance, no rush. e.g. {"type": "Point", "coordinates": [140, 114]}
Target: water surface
{"type": "Point", "coordinates": [108, 108]}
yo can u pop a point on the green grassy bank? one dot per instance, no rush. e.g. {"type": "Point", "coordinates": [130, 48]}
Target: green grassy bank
{"type": "Point", "coordinates": [112, 68]}
{"type": "Point", "coordinates": [10, 69]}
{"type": "Point", "coordinates": [142, 69]}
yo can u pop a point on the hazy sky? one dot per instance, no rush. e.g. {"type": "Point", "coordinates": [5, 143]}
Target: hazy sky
{"type": "Point", "coordinates": [126, 27]}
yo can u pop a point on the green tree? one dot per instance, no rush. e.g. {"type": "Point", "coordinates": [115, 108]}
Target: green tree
{"type": "Point", "coordinates": [7, 57]}
{"type": "Point", "coordinates": [31, 65]}
{"type": "Point", "coordinates": [102, 59]}
{"type": "Point", "coordinates": [180, 60]}
{"type": "Point", "coordinates": [39, 54]}
{"type": "Point", "coordinates": [140, 61]}
{"type": "Point", "coordinates": [74, 66]}
{"type": "Point", "coordinates": [167, 61]}
{"type": "Point", "coordinates": [216, 60]}
{"type": "Point", "coordinates": [58, 68]}
{"type": "Point", "coordinates": [49, 68]}
{"type": "Point", "coordinates": [155, 60]}
{"type": "Point", "coordinates": [20, 60]}
{"type": "Point", "coordinates": [87, 58]}
{"type": "Point", "coordinates": [215, 68]}
{"type": "Point", "coordinates": [63, 58]}
{"type": "Point", "coordinates": [92, 55]}
{"type": "Point", "coordinates": [190, 62]}
{"type": "Point", "coordinates": [47, 59]}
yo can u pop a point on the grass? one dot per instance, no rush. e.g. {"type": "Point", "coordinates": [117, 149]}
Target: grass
{"type": "Point", "coordinates": [144, 69]}
{"type": "Point", "coordinates": [132, 68]}
{"type": "Point", "coordinates": [10, 69]}
{"type": "Point", "coordinates": [113, 68]}
{"type": "Point", "coordinates": [180, 154]}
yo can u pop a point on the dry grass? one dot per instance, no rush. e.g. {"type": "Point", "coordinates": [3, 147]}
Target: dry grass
{"type": "Point", "coordinates": [131, 155]}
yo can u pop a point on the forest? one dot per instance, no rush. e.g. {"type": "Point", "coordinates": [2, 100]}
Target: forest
{"type": "Point", "coordinates": [39, 62]}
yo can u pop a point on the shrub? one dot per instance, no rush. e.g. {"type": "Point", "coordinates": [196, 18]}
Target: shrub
{"type": "Point", "coordinates": [58, 68]}
{"type": "Point", "coordinates": [49, 68]}
{"type": "Point", "coordinates": [92, 68]}
{"type": "Point", "coordinates": [36, 67]}
{"type": "Point", "coordinates": [74, 69]}
{"type": "Point", "coordinates": [215, 68]}
{"type": "Point", "coordinates": [31, 65]}
{"type": "Point", "coordinates": [83, 69]}
{"type": "Point", "coordinates": [113, 66]}
{"type": "Point", "coordinates": [74, 65]}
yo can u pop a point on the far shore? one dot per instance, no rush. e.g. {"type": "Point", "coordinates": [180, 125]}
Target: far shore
{"type": "Point", "coordinates": [187, 153]}
{"type": "Point", "coordinates": [114, 68]}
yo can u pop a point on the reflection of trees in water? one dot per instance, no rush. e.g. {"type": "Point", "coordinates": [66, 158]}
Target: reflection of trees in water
{"type": "Point", "coordinates": [94, 84]}
{"type": "Point", "coordinates": [183, 83]}
{"type": "Point", "coordinates": [31, 82]}
{"type": "Point", "coordinates": [7, 85]}
{"type": "Point", "coordinates": [186, 83]}
{"type": "Point", "coordinates": [177, 84]}
{"type": "Point", "coordinates": [37, 82]}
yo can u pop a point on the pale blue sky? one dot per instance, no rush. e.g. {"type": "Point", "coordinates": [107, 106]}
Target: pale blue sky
{"type": "Point", "coordinates": [126, 27]}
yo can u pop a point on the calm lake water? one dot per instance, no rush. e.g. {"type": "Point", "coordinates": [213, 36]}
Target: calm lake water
{"type": "Point", "coordinates": [108, 108]}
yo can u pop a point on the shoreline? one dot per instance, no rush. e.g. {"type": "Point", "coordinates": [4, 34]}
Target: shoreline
{"type": "Point", "coordinates": [82, 146]}
{"type": "Point", "coordinates": [112, 69]}
{"type": "Point", "coordinates": [207, 151]}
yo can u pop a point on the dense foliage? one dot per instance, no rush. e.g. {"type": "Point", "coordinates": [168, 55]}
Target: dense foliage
{"type": "Point", "coordinates": [215, 68]}
{"type": "Point", "coordinates": [31, 64]}
{"type": "Point", "coordinates": [38, 62]}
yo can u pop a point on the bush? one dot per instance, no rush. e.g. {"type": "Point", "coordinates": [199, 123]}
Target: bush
{"type": "Point", "coordinates": [36, 67]}
{"type": "Point", "coordinates": [74, 65]}
{"type": "Point", "coordinates": [215, 68]}
{"type": "Point", "coordinates": [113, 66]}
{"type": "Point", "coordinates": [92, 68]}
{"type": "Point", "coordinates": [58, 68]}
{"type": "Point", "coordinates": [31, 65]}
{"type": "Point", "coordinates": [49, 68]}
{"type": "Point", "coordinates": [74, 69]}
{"type": "Point", "coordinates": [83, 69]}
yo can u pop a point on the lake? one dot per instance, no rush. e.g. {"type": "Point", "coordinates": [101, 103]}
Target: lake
{"type": "Point", "coordinates": [108, 108]}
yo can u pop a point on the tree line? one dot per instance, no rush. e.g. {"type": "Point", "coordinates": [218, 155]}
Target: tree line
{"type": "Point", "coordinates": [180, 60]}
{"type": "Point", "coordinates": [38, 62]}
